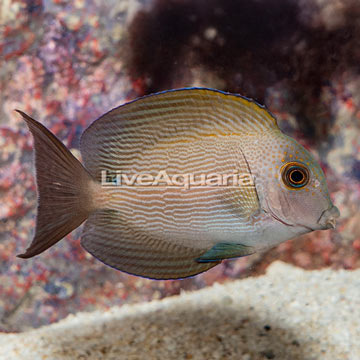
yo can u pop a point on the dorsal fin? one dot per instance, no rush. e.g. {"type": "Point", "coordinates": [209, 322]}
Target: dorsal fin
{"type": "Point", "coordinates": [122, 134]}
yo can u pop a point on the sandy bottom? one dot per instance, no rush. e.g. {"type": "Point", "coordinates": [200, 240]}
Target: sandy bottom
{"type": "Point", "coordinates": [287, 314]}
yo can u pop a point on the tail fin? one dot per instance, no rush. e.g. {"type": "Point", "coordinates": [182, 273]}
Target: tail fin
{"type": "Point", "coordinates": [64, 196]}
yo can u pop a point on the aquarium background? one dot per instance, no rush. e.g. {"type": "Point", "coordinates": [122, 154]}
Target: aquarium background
{"type": "Point", "coordinates": [67, 62]}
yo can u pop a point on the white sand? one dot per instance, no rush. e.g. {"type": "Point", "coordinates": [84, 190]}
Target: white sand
{"type": "Point", "coordinates": [287, 314]}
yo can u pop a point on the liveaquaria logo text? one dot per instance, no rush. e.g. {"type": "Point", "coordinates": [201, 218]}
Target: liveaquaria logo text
{"type": "Point", "coordinates": [186, 181]}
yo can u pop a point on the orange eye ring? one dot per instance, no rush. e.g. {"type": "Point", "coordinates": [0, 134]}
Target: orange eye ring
{"type": "Point", "coordinates": [295, 175]}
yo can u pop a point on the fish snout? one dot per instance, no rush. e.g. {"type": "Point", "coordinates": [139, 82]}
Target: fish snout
{"type": "Point", "coordinates": [328, 218]}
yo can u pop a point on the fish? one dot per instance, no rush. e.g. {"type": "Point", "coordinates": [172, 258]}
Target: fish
{"type": "Point", "coordinates": [173, 183]}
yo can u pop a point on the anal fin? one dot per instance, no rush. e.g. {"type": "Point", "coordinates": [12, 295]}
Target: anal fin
{"type": "Point", "coordinates": [108, 237]}
{"type": "Point", "coordinates": [223, 251]}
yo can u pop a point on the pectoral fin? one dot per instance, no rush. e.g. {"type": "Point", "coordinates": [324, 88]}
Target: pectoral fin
{"type": "Point", "coordinates": [223, 251]}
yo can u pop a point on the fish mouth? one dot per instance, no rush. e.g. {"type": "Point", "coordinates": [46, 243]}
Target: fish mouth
{"type": "Point", "coordinates": [328, 218]}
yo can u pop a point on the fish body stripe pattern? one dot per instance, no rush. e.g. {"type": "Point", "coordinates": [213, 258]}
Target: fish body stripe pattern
{"type": "Point", "coordinates": [175, 131]}
{"type": "Point", "coordinates": [195, 216]}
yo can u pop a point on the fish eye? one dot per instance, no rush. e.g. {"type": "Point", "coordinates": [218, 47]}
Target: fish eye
{"type": "Point", "coordinates": [295, 175]}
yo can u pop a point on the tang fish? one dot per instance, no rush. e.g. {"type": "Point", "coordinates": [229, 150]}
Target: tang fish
{"type": "Point", "coordinates": [175, 182]}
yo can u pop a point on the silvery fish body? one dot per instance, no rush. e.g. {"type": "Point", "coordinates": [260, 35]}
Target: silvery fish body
{"type": "Point", "coordinates": [175, 182]}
